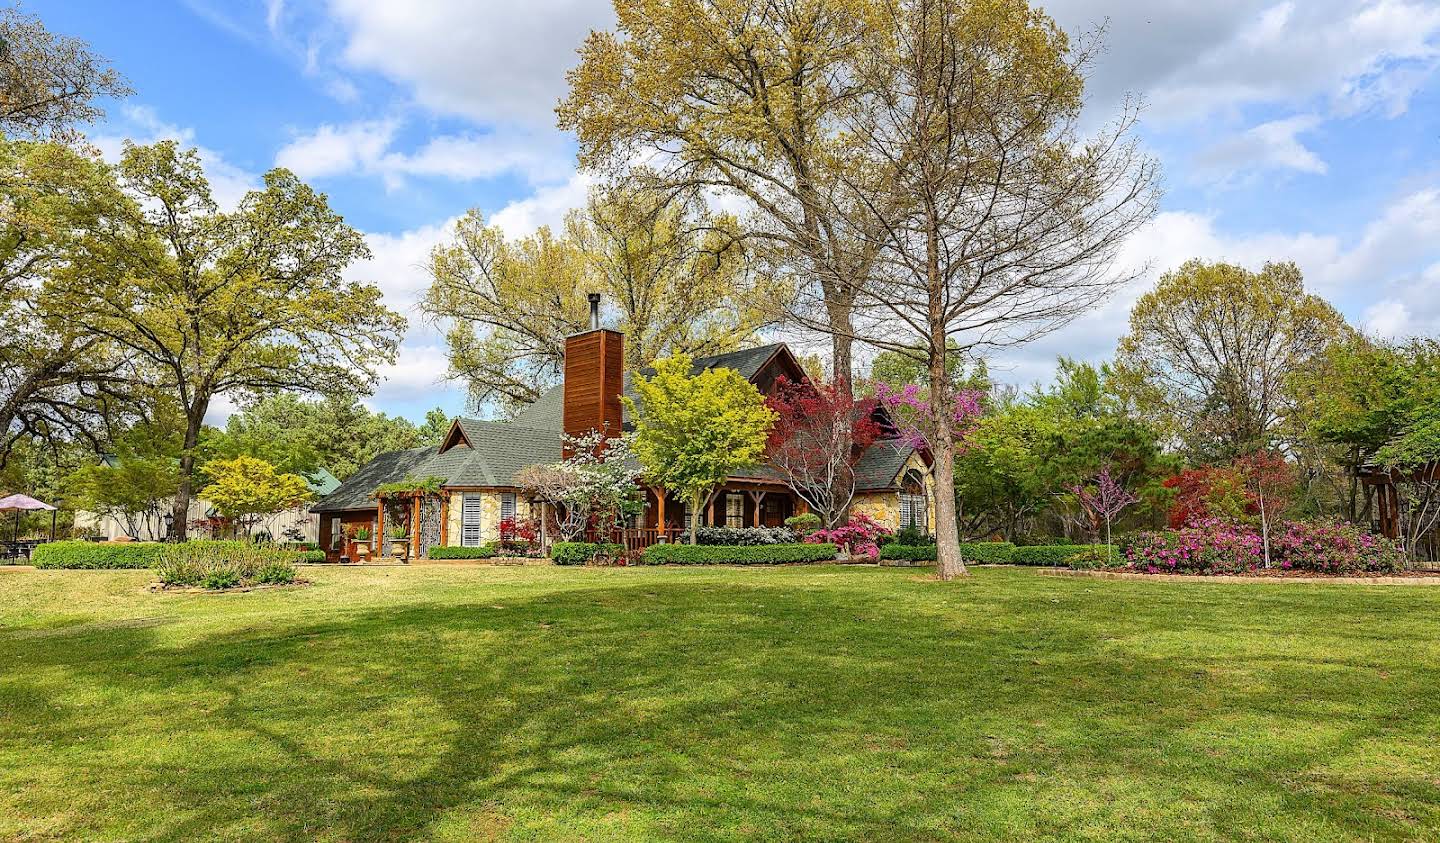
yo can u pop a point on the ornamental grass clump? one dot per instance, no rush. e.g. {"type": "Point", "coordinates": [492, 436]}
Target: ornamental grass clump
{"type": "Point", "coordinates": [219, 565]}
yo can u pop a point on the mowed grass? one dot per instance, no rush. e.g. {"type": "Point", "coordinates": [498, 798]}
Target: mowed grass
{"type": "Point", "coordinates": [827, 703]}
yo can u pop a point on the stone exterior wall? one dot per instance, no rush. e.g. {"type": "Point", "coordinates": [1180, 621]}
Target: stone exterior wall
{"type": "Point", "coordinates": [489, 515]}
{"type": "Point", "coordinates": [884, 507]}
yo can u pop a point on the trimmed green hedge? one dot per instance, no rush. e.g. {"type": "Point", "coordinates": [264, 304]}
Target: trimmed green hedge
{"type": "Point", "coordinates": [94, 555]}
{"type": "Point", "coordinates": [309, 557]}
{"type": "Point", "coordinates": [714, 554]}
{"type": "Point", "coordinates": [1051, 555]}
{"type": "Point", "coordinates": [578, 553]}
{"type": "Point", "coordinates": [484, 551]}
{"type": "Point", "coordinates": [979, 553]}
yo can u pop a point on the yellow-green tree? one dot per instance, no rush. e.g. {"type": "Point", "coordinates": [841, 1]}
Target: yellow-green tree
{"type": "Point", "coordinates": [246, 490]}
{"type": "Point", "coordinates": [747, 98]}
{"type": "Point", "coordinates": [1210, 350]}
{"type": "Point", "coordinates": [57, 380]}
{"type": "Point", "coordinates": [49, 83]}
{"type": "Point", "coordinates": [210, 303]}
{"type": "Point", "coordinates": [669, 269]}
{"type": "Point", "coordinates": [692, 431]}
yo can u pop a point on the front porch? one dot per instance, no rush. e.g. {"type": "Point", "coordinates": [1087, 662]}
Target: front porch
{"type": "Point", "coordinates": [736, 504]}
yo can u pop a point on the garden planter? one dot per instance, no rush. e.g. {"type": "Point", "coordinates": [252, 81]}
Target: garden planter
{"type": "Point", "coordinates": [400, 548]}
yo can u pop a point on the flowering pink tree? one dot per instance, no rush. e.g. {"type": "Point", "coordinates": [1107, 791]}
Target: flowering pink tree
{"type": "Point", "coordinates": [941, 424]}
{"type": "Point", "coordinates": [859, 537]}
{"type": "Point", "coordinates": [1104, 500]}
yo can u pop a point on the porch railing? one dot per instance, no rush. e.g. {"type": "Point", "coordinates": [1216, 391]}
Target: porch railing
{"type": "Point", "coordinates": [637, 538]}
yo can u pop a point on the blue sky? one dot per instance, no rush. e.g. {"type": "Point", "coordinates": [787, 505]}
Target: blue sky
{"type": "Point", "coordinates": [1306, 131]}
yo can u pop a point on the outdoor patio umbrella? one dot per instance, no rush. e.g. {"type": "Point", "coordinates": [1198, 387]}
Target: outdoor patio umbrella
{"type": "Point", "coordinates": [24, 503]}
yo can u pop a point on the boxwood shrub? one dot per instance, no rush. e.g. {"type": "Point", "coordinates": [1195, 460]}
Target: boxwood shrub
{"type": "Point", "coordinates": [979, 553]}
{"type": "Point", "coordinates": [1053, 555]}
{"type": "Point", "coordinates": [712, 554]}
{"type": "Point", "coordinates": [95, 555]}
{"type": "Point", "coordinates": [309, 557]}
{"type": "Point", "coordinates": [733, 536]}
{"type": "Point", "coordinates": [579, 553]}
{"type": "Point", "coordinates": [484, 551]}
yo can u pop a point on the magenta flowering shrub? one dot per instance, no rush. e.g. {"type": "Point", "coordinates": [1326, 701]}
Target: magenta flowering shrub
{"type": "Point", "coordinates": [1211, 546]}
{"type": "Point", "coordinates": [861, 536]}
{"type": "Point", "coordinates": [1331, 547]}
{"type": "Point", "coordinates": [1217, 546]}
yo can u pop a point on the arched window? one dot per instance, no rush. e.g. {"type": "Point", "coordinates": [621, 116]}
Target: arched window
{"type": "Point", "coordinates": [914, 503]}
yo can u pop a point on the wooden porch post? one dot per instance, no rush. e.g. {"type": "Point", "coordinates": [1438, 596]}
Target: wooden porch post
{"type": "Point", "coordinates": [444, 519]}
{"type": "Point", "coordinates": [710, 509]}
{"type": "Point", "coordinates": [659, 509]}
{"type": "Point", "coordinates": [757, 497]}
{"type": "Point", "coordinates": [379, 525]}
{"type": "Point", "coordinates": [415, 527]}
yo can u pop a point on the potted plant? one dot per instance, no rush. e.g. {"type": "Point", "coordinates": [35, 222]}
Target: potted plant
{"type": "Point", "coordinates": [400, 543]}
{"type": "Point", "coordinates": [361, 538]}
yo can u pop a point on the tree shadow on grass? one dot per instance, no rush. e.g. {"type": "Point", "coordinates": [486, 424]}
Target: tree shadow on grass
{"type": "Point", "coordinates": [692, 709]}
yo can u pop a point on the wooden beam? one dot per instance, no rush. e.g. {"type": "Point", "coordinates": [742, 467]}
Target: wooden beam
{"type": "Point", "coordinates": [757, 498]}
{"type": "Point", "coordinates": [415, 527]}
{"type": "Point", "coordinates": [659, 508]}
{"type": "Point", "coordinates": [445, 519]}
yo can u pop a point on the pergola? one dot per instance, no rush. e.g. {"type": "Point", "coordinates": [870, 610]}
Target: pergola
{"type": "Point", "coordinates": [1384, 483]}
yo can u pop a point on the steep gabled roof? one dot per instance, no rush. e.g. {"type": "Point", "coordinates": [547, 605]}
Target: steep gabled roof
{"type": "Point", "coordinates": [880, 465]}
{"type": "Point", "coordinates": [496, 451]}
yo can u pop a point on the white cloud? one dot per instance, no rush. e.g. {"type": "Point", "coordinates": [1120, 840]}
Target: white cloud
{"type": "Point", "coordinates": [1272, 145]}
{"type": "Point", "coordinates": [1194, 59]}
{"type": "Point", "coordinates": [1383, 273]}
{"type": "Point", "coordinates": [367, 148]}
{"type": "Point", "coordinates": [495, 61]}
{"type": "Point", "coordinates": [547, 206]}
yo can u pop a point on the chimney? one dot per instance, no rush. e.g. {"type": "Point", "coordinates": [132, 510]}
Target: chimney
{"type": "Point", "coordinates": [594, 377]}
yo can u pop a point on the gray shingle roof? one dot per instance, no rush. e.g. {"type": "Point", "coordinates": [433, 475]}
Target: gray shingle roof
{"type": "Point", "coordinates": [879, 467]}
{"type": "Point", "coordinates": [499, 449]}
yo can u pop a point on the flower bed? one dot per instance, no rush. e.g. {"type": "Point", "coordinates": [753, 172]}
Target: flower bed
{"type": "Point", "coordinates": [222, 565]}
{"type": "Point", "coordinates": [764, 554]}
{"type": "Point", "coordinates": [1215, 546]}
{"type": "Point", "coordinates": [860, 536]}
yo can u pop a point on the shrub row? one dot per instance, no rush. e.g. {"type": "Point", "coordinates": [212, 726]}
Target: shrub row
{"type": "Point", "coordinates": [766, 554]}
{"type": "Point", "coordinates": [1054, 555]}
{"type": "Point", "coordinates": [219, 565]}
{"type": "Point", "coordinates": [580, 553]}
{"type": "Point", "coordinates": [737, 536]}
{"type": "Point", "coordinates": [1223, 547]}
{"type": "Point", "coordinates": [484, 551]}
{"type": "Point", "coordinates": [980, 553]}
{"type": "Point", "coordinates": [311, 557]}
{"type": "Point", "coordinates": [94, 555]}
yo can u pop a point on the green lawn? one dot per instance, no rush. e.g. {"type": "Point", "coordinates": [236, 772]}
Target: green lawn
{"type": "Point", "coordinates": [824, 703]}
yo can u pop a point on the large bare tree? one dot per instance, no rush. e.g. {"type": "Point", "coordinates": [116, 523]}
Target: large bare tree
{"type": "Point", "coordinates": [49, 83]}
{"type": "Point", "coordinates": [1001, 223]}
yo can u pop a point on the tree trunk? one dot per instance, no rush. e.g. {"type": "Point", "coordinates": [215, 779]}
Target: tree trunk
{"type": "Point", "coordinates": [695, 521]}
{"type": "Point", "coordinates": [841, 346]}
{"type": "Point", "coordinates": [194, 420]}
{"type": "Point", "coordinates": [950, 563]}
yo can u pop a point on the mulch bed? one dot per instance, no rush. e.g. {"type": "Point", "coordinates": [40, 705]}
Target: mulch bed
{"type": "Point", "coordinates": [1271, 576]}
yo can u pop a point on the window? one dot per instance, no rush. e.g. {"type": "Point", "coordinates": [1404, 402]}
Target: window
{"type": "Point", "coordinates": [470, 520]}
{"type": "Point", "coordinates": [914, 511]}
{"type": "Point", "coordinates": [685, 516]}
{"type": "Point", "coordinates": [507, 505]}
{"type": "Point", "coordinates": [734, 510]}
{"type": "Point", "coordinates": [337, 533]}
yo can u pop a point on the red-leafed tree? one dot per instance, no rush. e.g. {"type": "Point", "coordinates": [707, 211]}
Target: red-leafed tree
{"type": "Point", "coordinates": [821, 432]}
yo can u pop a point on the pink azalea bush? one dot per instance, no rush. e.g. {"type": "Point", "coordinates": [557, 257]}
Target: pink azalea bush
{"type": "Point", "coordinates": [860, 536]}
{"type": "Point", "coordinates": [1331, 547]}
{"type": "Point", "coordinates": [1218, 546]}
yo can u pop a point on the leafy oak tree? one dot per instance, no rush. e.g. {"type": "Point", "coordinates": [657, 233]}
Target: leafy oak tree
{"type": "Point", "coordinates": [1210, 349]}
{"type": "Point", "coordinates": [214, 303]}
{"type": "Point", "coordinates": [57, 380]}
{"type": "Point", "coordinates": [694, 431]}
{"type": "Point", "coordinates": [670, 270]}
